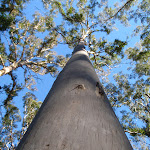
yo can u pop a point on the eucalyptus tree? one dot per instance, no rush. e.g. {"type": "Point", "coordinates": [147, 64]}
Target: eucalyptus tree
{"type": "Point", "coordinates": [78, 24]}
{"type": "Point", "coordinates": [76, 113]}
{"type": "Point", "coordinates": [88, 21]}
{"type": "Point", "coordinates": [26, 52]}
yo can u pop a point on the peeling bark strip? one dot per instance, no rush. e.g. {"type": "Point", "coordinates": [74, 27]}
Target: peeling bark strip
{"type": "Point", "coordinates": [76, 114]}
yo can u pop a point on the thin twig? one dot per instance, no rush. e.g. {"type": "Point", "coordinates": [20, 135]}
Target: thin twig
{"type": "Point", "coordinates": [147, 95]}
{"type": "Point", "coordinates": [131, 132]}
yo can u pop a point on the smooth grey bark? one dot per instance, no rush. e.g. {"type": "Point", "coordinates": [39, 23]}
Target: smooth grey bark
{"type": "Point", "coordinates": [76, 114]}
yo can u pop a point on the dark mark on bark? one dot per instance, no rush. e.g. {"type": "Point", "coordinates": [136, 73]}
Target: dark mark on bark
{"type": "Point", "coordinates": [100, 89]}
{"type": "Point", "coordinates": [80, 86]}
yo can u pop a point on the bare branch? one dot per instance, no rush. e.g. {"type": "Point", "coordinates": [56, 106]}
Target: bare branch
{"type": "Point", "coordinates": [131, 132]}
{"type": "Point", "coordinates": [146, 108]}
{"type": "Point", "coordinates": [129, 1]}
{"type": "Point", "coordinates": [13, 66]}
{"type": "Point", "coordinates": [62, 36]}
{"type": "Point", "coordinates": [147, 95]}
{"type": "Point", "coordinates": [8, 69]}
{"type": "Point", "coordinates": [2, 61]}
{"type": "Point", "coordinates": [9, 97]}
{"type": "Point", "coordinates": [42, 64]}
{"type": "Point", "coordinates": [43, 45]}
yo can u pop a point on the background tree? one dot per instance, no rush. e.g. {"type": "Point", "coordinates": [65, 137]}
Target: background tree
{"type": "Point", "coordinates": [9, 11]}
{"type": "Point", "coordinates": [24, 51]}
{"type": "Point", "coordinates": [134, 87]}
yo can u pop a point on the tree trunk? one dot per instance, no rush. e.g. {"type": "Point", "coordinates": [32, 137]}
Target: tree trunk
{"type": "Point", "coordinates": [76, 114]}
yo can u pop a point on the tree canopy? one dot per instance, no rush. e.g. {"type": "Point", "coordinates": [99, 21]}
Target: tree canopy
{"type": "Point", "coordinates": [28, 49]}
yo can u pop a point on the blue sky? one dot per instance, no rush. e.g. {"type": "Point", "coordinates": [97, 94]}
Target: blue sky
{"type": "Point", "coordinates": [46, 81]}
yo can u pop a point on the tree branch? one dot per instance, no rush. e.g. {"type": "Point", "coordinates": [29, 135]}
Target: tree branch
{"type": "Point", "coordinates": [2, 61]}
{"type": "Point", "coordinates": [62, 36]}
{"type": "Point", "coordinates": [13, 66]}
{"type": "Point", "coordinates": [131, 132]}
{"type": "Point", "coordinates": [9, 97]}
{"type": "Point", "coordinates": [43, 45]}
{"type": "Point", "coordinates": [129, 1]}
{"type": "Point", "coordinates": [147, 95]}
{"type": "Point", "coordinates": [8, 69]}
